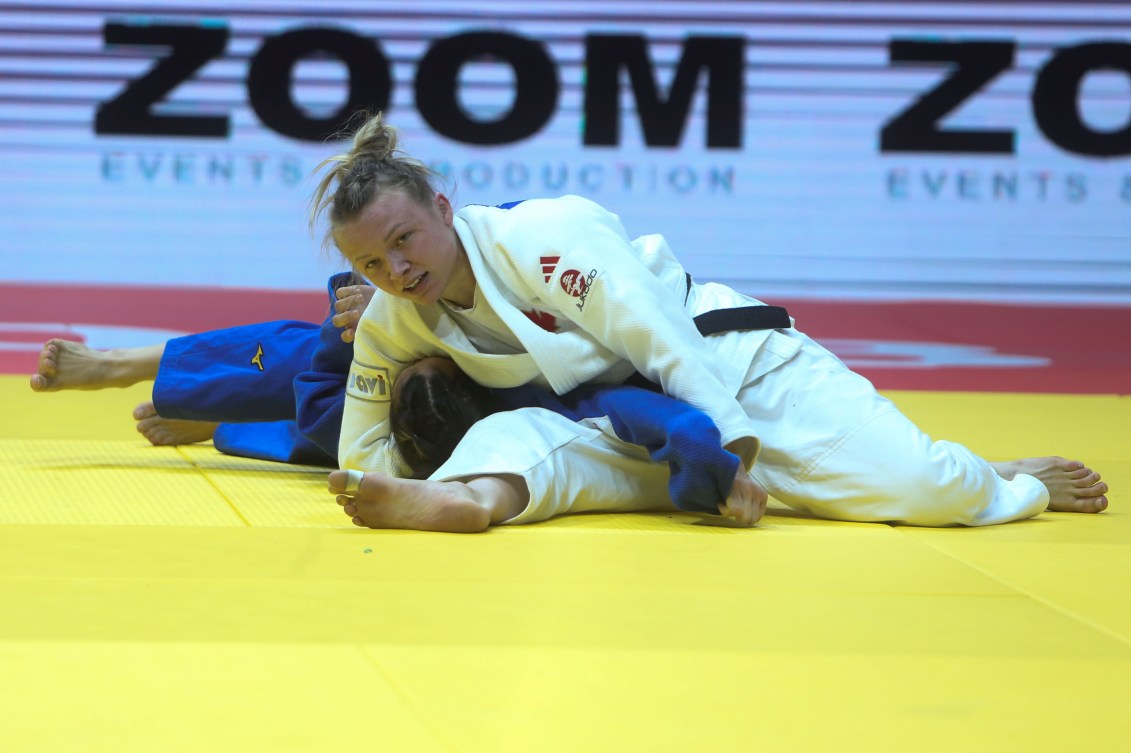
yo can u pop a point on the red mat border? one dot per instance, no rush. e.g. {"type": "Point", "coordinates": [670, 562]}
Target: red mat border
{"type": "Point", "coordinates": [1088, 348]}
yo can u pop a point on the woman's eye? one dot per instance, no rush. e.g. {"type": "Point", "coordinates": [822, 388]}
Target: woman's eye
{"type": "Point", "coordinates": [373, 264]}
{"type": "Point", "coordinates": [403, 239]}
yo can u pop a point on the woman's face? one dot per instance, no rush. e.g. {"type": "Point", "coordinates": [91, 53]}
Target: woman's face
{"type": "Point", "coordinates": [408, 249]}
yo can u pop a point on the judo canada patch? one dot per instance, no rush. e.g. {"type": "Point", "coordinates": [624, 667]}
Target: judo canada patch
{"type": "Point", "coordinates": [369, 383]}
{"type": "Point", "coordinates": [577, 284]}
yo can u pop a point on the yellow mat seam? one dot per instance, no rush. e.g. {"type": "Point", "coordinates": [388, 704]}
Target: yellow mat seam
{"type": "Point", "coordinates": [1029, 594]}
{"type": "Point", "coordinates": [208, 480]}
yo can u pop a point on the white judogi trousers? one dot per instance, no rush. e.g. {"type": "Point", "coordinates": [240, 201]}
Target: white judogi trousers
{"type": "Point", "coordinates": [830, 445]}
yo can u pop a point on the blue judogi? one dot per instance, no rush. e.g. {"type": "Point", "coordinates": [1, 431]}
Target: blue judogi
{"type": "Point", "coordinates": [245, 378]}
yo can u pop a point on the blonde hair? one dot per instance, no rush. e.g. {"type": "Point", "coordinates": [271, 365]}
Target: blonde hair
{"type": "Point", "coordinates": [373, 166]}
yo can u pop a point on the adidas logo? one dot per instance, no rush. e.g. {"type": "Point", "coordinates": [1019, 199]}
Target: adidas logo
{"type": "Point", "coordinates": [549, 264]}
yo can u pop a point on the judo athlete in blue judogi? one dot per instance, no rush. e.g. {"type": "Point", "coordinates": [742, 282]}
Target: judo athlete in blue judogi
{"type": "Point", "coordinates": [277, 390]}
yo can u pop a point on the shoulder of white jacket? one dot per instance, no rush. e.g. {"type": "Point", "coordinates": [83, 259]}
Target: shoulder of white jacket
{"type": "Point", "coordinates": [528, 228]}
{"type": "Point", "coordinates": [538, 205]}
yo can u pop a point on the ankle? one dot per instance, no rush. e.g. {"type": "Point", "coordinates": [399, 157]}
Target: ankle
{"type": "Point", "coordinates": [128, 366]}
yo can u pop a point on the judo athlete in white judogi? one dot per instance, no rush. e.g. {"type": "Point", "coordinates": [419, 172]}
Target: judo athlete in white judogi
{"type": "Point", "coordinates": [553, 292]}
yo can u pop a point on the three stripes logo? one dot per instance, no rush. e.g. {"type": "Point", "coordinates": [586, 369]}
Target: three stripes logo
{"type": "Point", "coordinates": [549, 264]}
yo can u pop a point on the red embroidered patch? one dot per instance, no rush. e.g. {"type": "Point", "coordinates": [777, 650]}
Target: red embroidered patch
{"type": "Point", "coordinates": [573, 282]}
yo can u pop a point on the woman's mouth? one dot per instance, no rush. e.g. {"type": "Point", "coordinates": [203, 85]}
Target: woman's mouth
{"type": "Point", "coordinates": [414, 284]}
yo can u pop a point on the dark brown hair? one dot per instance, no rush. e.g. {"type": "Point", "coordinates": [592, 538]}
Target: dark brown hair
{"type": "Point", "coordinates": [431, 414]}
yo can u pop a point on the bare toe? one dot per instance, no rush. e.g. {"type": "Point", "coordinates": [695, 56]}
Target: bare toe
{"type": "Point", "coordinates": [336, 483]}
{"type": "Point", "coordinates": [1081, 473]}
{"type": "Point", "coordinates": [46, 368]}
{"type": "Point", "coordinates": [1089, 479]}
{"type": "Point", "coordinates": [1095, 490]}
{"type": "Point", "coordinates": [150, 428]}
{"type": "Point", "coordinates": [1090, 504]}
{"type": "Point", "coordinates": [144, 410]}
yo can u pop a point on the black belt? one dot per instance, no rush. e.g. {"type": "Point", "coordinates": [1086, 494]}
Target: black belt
{"type": "Point", "coordinates": [746, 317]}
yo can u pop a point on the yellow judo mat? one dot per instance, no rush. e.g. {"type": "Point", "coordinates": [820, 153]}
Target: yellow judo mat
{"type": "Point", "coordinates": [175, 599]}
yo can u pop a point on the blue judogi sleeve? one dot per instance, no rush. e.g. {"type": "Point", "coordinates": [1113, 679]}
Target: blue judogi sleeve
{"type": "Point", "coordinates": [319, 391]}
{"type": "Point", "coordinates": [702, 471]}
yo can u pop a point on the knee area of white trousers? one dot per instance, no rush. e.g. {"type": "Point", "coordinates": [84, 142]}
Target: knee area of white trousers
{"type": "Point", "coordinates": [947, 471]}
{"type": "Point", "coordinates": [896, 472]}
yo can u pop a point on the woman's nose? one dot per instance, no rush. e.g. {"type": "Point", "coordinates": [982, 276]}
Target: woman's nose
{"type": "Point", "coordinates": [398, 266]}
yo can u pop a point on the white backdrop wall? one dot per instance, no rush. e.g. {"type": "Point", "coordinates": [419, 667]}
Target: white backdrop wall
{"type": "Point", "coordinates": [1016, 187]}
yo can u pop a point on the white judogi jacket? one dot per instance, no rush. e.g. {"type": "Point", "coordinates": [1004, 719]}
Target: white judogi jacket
{"type": "Point", "coordinates": [604, 306]}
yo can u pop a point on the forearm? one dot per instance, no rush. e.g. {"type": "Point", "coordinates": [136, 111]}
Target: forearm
{"type": "Point", "coordinates": [365, 442]}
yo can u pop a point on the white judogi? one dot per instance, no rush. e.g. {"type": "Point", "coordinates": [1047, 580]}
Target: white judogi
{"type": "Point", "coordinates": [831, 445]}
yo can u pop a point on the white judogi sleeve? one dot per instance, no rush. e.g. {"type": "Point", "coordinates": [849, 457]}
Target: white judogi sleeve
{"type": "Point", "coordinates": [365, 442]}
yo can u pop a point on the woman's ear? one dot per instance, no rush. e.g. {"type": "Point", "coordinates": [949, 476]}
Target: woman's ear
{"type": "Point", "coordinates": [444, 206]}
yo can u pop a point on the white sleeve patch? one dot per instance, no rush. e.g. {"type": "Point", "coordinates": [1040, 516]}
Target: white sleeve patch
{"type": "Point", "coordinates": [369, 383]}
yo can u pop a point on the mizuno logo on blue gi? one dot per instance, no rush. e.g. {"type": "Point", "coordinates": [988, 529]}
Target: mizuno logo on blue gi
{"type": "Point", "coordinates": [368, 383]}
{"type": "Point", "coordinates": [257, 359]}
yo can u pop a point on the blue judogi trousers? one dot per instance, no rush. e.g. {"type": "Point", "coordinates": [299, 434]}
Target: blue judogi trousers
{"type": "Point", "coordinates": [276, 388]}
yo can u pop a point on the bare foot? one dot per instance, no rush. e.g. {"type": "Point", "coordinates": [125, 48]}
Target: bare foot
{"type": "Point", "coordinates": [1072, 486]}
{"type": "Point", "coordinates": [164, 432]}
{"type": "Point", "coordinates": [747, 500]}
{"type": "Point", "coordinates": [382, 501]}
{"type": "Point", "coordinates": [66, 365]}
